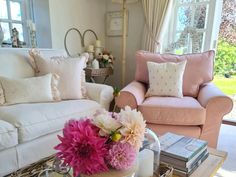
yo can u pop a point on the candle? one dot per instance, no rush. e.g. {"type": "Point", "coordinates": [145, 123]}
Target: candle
{"type": "Point", "coordinates": [33, 27]}
{"type": "Point", "coordinates": [95, 64]}
{"type": "Point", "coordinates": [90, 48]}
{"type": "Point", "coordinates": [146, 159]}
{"type": "Point", "coordinates": [29, 23]}
{"type": "Point", "coordinates": [98, 43]}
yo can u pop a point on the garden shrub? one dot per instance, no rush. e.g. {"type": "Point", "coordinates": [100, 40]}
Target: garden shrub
{"type": "Point", "coordinates": [225, 62]}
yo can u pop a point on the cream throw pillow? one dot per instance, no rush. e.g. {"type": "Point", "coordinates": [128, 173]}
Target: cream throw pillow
{"type": "Point", "coordinates": [166, 79]}
{"type": "Point", "coordinates": [29, 90]}
{"type": "Point", "coordinates": [70, 70]}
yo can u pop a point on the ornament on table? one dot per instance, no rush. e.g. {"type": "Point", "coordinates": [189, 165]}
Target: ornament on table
{"type": "Point", "coordinates": [90, 50]}
{"type": "Point", "coordinates": [95, 64]}
{"type": "Point", "coordinates": [32, 33]}
{"type": "Point", "coordinates": [111, 142]}
{"type": "Point", "coordinates": [106, 59]}
{"type": "Point", "coordinates": [98, 48]}
{"type": "Point", "coordinates": [15, 39]}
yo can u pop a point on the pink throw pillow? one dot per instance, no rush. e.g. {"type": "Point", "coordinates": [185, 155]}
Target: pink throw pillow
{"type": "Point", "coordinates": [70, 70]}
{"type": "Point", "coordinates": [198, 70]}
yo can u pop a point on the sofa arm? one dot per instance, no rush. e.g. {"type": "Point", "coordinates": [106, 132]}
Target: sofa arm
{"type": "Point", "coordinates": [209, 95]}
{"type": "Point", "coordinates": [103, 94]}
{"type": "Point", "coordinates": [217, 104]}
{"type": "Point", "coordinates": [132, 95]}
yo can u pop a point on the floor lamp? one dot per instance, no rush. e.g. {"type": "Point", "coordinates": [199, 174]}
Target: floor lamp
{"type": "Point", "coordinates": [124, 32]}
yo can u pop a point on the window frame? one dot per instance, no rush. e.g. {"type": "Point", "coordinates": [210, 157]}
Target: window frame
{"type": "Point", "coordinates": [23, 20]}
{"type": "Point", "coordinates": [210, 4]}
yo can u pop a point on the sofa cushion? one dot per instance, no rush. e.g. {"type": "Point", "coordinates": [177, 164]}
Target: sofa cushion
{"type": "Point", "coordinates": [12, 57]}
{"type": "Point", "coordinates": [8, 135]}
{"type": "Point", "coordinates": [198, 70]}
{"type": "Point", "coordinates": [70, 70]}
{"type": "Point", "coordinates": [38, 119]}
{"type": "Point", "coordinates": [166, 79]}
{"type": "Point", "coordinates": [30, 90]}
{"type": "Point", "coordinates": [173, 111]}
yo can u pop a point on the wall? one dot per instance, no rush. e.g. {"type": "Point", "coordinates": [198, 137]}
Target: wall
{"type": "Point", "coordinates": [43, 26]}
{"type": "Point", "coordinates": [134, 40]}
{"type": "Point", "coordinates": [82, 14]}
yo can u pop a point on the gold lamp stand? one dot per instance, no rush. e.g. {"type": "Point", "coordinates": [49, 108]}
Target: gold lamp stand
{"type": "Point", "coordinates": [124, 37]}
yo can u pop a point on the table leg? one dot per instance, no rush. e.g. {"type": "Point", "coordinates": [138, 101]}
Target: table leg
{"type": "Point", "coordinates": [105, 79]}
{"type": "Point", "coordinates": [92, 79]}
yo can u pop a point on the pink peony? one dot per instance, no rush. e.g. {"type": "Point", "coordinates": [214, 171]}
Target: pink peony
{"type": "Point", "coordinates": [81, 148]}
{"type": "Point", "coordinates": [105, 122]}
{"type": "Point", "coordinates": [121, 156]}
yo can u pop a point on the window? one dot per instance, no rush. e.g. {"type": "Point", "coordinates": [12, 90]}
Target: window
{"type": "Point", "coordinates": [190, 26]}
{"type": "Point", "coordinates": [12, 15]}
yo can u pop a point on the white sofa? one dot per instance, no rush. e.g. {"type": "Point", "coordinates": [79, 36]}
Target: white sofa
{"type": "Point", "coordinates": [28, 132]}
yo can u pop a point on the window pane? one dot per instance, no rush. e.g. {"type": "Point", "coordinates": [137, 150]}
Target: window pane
{"type": "Point", "coordinates": [184, 1]}
{"type": "Point", "coordinates": [6, 31]}
{"type": "Point", "coordinates": [3, 9]}
{"type": "Point", "coordinates": [181, 43]}
{"type": "Point", "coordinates": [197, 42]}
{"type": "Point", "coordinates": [184, 18]}
{"type": "Point", "coordinates": [200, 16]}
{"type": "Point", "coordinates": [19, 29]}
{"type": "Point", "coordinates": [15, 10]}
{"type": "Point", "coordinates": [202, 0]}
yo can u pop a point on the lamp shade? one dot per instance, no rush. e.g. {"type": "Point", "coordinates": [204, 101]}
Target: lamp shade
{"type": "Point", "coordinates": [127, 1]}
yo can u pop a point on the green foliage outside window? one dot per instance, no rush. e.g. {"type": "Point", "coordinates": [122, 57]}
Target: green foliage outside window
{"type": "Point", "coordinates": [225, 62]}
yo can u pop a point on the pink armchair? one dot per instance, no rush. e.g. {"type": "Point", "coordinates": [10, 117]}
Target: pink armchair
{"type": "Point", "coordinates": [198, 114]}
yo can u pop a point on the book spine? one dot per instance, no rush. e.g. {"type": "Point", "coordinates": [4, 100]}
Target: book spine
{"type": "Point", "coordinates": [198, 164]}
{"type": "Point", "coordinates": [175, 156]}
{"type": "Point", "coordinates": [181, 173]}
{"type": "Point", "coordinates": [194, 166]}
{"type": "Point", "coordinates": [196, 158]}
{"type": "Point", "coordinates": [202, 147]}
{"type": "Point", "coordinates": [182, 164]}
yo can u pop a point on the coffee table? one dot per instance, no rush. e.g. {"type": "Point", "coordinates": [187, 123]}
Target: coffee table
{"type": "Point", "coordinates": [207, 169]}
{"type": "Point", "coordinates": [211, 165]}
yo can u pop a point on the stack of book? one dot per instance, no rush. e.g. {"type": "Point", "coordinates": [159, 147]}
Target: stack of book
{"type": "Point", "coordinates": [185, 154]}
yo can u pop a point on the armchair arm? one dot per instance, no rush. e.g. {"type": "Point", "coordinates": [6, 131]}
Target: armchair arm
{"type": "Point", "coordinates": [209, 95]}
{"type": "Point", "coordinates": [217, 104]}
{"type": "Point", "coordinates": [132, 95]}
{"type": "Point", "coordinates": [103, 94]}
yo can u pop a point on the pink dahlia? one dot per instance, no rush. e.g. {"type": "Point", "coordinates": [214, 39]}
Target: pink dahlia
{"type": "Point", "coordinates": [121, 156]}
{"type": "Point", "coordinates": [81, 148]}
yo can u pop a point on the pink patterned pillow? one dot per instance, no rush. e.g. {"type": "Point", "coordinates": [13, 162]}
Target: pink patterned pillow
{"type": "Point", "coordinates": [199, 68]}
{"type": "Point", "coordinates": [70, 70]}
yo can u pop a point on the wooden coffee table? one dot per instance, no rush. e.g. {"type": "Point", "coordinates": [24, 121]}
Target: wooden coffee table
{"type": "Point", "coordinates": [211, 165]}
{"type": "Point", "coordinates": [207, 169]}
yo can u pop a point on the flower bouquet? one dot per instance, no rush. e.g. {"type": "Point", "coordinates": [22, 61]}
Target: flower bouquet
{"type": "Point", "coordinates": [103, 142]}
{"type": "Point", "coordinates": [105, 59]}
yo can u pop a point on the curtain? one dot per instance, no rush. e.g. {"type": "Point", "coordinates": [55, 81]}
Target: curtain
{"type": "Point", "coordinates": [155, 12]}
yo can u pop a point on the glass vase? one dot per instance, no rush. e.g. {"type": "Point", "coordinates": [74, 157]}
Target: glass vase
{"type": "Point", "coordinates": [151, 142]}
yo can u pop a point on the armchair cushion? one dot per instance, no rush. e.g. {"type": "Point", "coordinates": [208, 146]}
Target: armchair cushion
{"type": "Point", "coordinates": [166, 79]}
{"type": "Point", "coordinates": [173, 111]}
{"type": "Point", "coordinates": [199, 68]}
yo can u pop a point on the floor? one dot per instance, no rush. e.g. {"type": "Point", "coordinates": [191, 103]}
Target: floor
{"type": "Point", "coordinates": [227, 142]}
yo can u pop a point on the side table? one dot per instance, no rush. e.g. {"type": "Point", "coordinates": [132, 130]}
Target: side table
{"type": "Point", "coordinates": [101, 72]}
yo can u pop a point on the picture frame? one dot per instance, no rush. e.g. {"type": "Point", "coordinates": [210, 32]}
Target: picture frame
{"type": "Point", "coordinates": [114, 23]}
